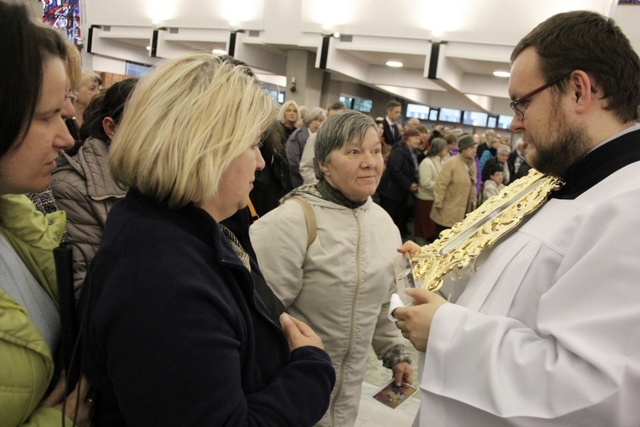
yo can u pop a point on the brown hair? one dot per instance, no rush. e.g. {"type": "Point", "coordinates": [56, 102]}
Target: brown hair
{"type": "Point", "coordinates": [593, 43]}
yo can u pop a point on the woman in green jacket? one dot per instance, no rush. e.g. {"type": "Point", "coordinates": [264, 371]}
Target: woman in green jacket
{"type": "Point", "coordinates": [33, 106]}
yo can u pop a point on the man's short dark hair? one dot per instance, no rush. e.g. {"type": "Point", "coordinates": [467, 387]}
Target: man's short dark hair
{"type": "Point", "coordinates": [593, 43]}
{"type": "Point", "coordinates": [393, 104]}
{"type": "Point", "coordinates": [337, 106]}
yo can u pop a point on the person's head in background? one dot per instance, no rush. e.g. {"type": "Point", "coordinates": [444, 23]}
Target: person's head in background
{"type": "Point", "coordinates": [438, 148]}
{"type": "Point", "coordinates": [35, 87]}
{"type": "Point", "coordinates": [394, 110]}
{"type": "Point", "coordinates": [73, 66]}
{"type": "Point", "coordinates": [412, 138]}
{"type": "Point", "coordinates": [496, 174]}
{"type": "Point", "coordinates": [190, 135]}
{"type": "Point", "coordinates": [303, 109]}
{"type": "Point", "coordinates": [502, 153]}
{"type": "Point", "coordinates": [289, 114]}
{"type": "Point", "coordinates": [103, 115]}
{"type": "Point", "coordinates": [452, 141]}
{"type": "Point", "coordinates": [494, 142]}
{"type": "Point", "coordinates": [335, 108]}
{"type": "Point", "coordinates": [314, 119]}
{"type": "Point", "coordinates": [424, 136]}
{"type": "Point", "coordinates": [413, 123]}
{"type": "Point", "coordinates": [88, 87]}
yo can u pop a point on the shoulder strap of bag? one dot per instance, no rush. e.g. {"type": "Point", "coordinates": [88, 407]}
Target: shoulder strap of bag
{"type": "Point", "coordinates": [309, 218]}
{"type": "Point", "coordinates": [252, 210]}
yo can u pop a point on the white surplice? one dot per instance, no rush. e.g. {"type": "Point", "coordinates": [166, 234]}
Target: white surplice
{"type": "Point", "coordinates": [547, 331]}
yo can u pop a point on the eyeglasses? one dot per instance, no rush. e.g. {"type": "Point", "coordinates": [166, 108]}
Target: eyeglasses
{"type": "Point", "coordinates": [518, 105]}
{"type": "Point", "coordinates": [71, 96]}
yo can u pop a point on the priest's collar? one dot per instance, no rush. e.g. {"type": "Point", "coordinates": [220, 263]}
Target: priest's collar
{"type": "Point", "coordinates": [598, 164]}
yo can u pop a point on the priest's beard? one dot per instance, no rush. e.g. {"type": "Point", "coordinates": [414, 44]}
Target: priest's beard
{"type": "Point", "coordinates": [562, 146]}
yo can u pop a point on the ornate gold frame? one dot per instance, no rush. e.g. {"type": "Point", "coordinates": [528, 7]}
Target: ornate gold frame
{"type": "Point", "coordinates": [460, 246]}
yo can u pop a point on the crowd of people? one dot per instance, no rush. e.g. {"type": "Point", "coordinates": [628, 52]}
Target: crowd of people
{"type": "Point", "coordinates": [234, 261]}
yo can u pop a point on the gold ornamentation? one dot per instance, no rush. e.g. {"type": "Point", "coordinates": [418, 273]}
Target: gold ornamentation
{"type": "Point", "coordinates": [460, 247]}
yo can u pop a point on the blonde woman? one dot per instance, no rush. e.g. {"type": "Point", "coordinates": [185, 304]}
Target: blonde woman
{"type": "Point", "coordinates": [182, 329]}
{"type": "Point", "coordinates": [288, 116]}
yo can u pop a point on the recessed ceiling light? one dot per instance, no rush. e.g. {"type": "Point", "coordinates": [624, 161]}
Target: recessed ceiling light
{"type": "Point", "coordinates": [395, 64]}
{"type": "Point", "coordinates": [219, 52]}
{"type": "Point", "coordinates": [501, 73]}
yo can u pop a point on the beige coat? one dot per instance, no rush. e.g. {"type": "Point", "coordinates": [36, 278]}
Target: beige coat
{"type": "Point", "coordinates": [84, 188]}
{"type": "Point", "coordinates": [430, 168]}
{"type": "Point", "coordinates": [455, 191]}
{"type": "Point", "coordinates": [341, 285]}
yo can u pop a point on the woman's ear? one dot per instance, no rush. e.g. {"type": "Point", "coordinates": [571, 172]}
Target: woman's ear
{"type": "Point", "coordinates": [323, 168]}
{"type": "Point", "coordinates": [109, 127]}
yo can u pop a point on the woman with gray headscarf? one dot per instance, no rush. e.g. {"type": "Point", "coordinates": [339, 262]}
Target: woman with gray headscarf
{"type": "Point", "coordinates": [342, 281]}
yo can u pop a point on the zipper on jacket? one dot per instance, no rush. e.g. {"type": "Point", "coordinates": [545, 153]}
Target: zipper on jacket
{"type": "Point", "coordinates": [351, 327]}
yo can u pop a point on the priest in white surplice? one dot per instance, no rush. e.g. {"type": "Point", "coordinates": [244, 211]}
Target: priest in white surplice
{"type": "Point", "coordinates": [547, 330]}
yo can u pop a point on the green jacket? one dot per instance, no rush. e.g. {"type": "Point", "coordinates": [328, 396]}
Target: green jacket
{"type": "Point", "coordinates": [26, 364]}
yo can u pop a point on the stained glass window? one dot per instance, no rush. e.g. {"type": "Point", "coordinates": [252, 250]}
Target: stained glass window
{"type": "Point", "coordinates": [64, 15]}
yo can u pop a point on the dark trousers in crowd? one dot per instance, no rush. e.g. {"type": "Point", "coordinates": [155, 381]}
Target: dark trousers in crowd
{"type": "Point", "coordinates": [397, 210]}
{"type": "Point", "coordinates": [439, 229]}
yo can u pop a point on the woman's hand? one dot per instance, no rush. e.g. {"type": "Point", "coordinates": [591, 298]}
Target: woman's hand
{"type": "Point", "coordinates": [402, 373]}
{"type": "Point", "coordinates": [78, 396]}
{"type": "Point", "coordinates": [409, 247]}
{"type": "Point", "coordinates": [299, 333]}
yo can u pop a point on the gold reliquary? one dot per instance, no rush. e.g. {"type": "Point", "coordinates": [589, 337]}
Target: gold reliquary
{"type": "Point", "coordinates": [458, 250]}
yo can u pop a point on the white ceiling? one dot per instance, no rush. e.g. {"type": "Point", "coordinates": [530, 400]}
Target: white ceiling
{"type": "Point", "coordinates": [478, 37]}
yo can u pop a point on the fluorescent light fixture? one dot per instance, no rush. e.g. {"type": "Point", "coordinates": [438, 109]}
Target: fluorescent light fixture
{"type": "Point", "coordinates": [394, 64]}
{"type": "Point", "coordinates": [219, 52]}
{"type": "Point", "coordinates": [501, 73]}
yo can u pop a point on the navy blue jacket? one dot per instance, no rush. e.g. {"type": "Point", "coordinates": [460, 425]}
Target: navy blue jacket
{"type": "Point", "coordinates": [177, 334]}
{"type": "Point", "coordinates": [400, 173]}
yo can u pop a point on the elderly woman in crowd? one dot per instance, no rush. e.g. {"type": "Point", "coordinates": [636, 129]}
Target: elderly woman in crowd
{"type": "Point", "coordinates": [423, 226]}
{"type": "Point", "coordinates": [500, 160]}
{"type": "Point", "coordinates": [342, 282]}
{"type": "Point", "coordinates": [34, 104]}
{"type": "Point", "coordinates": [86, 89]}
{"type": "Point", "coordinates": [294, 146]}
{"type": "Point", "coordinates": [179, 326]}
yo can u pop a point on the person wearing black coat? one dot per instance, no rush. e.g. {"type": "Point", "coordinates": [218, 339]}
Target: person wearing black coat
{"type": "Point", "coordinates": [400, 180]}
{"type": "Point", "coordinates": [179, 326]}
{"type": "Point", "coordinates": [274, 180]}
{"type": "Point", "coordinates": [392, 133]}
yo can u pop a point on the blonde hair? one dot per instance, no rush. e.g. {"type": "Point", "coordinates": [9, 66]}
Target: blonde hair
{"type": "Point", "coordinates": [73, 63]}
{"type": "Point", "coordinates": [283, 110]}
{"type": "Point", "coordinates": [184, 124]}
